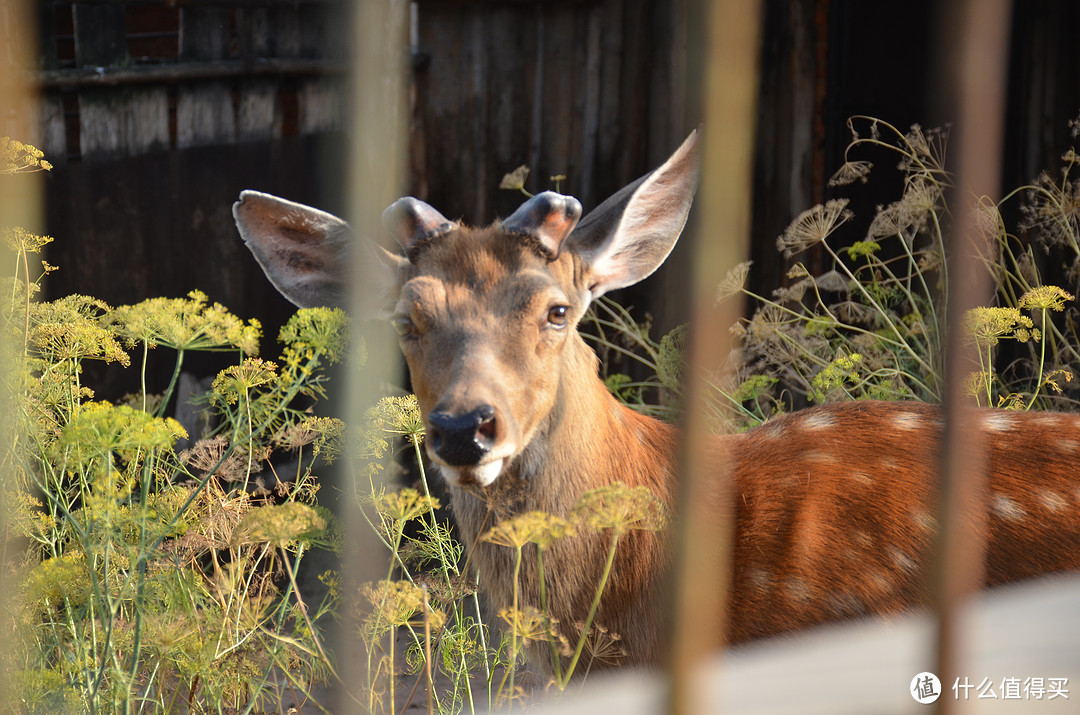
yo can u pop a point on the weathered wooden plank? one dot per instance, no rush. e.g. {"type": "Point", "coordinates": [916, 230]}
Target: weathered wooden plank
{"type": "Point", "coordinates": [591, 91]}
{"type": "Point", "coordinates": [321, 106]}
{"type": "Point", "coordinates": [204, 111]}
{"type": "Point", "coordinates": [100, 35]}
{"type": "Point", "coordinates": [509, 50]}
{"type": "Point", "coordinates": [188, 72]}
{"type": "Point", "coordinates": [52, 127]}
{"type": "Point", "coordinates": [445, 115]}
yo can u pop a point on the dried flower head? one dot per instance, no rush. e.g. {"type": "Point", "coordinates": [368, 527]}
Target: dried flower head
{"type": "Point", "coordinates": [851, 172]}
{"type": "Point", "coordinates": [813, 226]}
{"type": "Point", "coordinates": [733, 282]}
{"type": "Point", "coordinates": [515, 180]}
{"type": "Point", "coordinates": [1052, 211]}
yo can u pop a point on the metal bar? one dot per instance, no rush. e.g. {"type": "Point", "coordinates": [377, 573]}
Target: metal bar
{"type": "Point", "coordinates": [20, 205]}
{"type": "Point", "coordinates": [374, 177]}
{"type": "Point", "coordinates": [978, 86]}
{"type": "Point", "coordinates": [705, 538]}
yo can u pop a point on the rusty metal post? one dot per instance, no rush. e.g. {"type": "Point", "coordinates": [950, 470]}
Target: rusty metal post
{"type": "Point", "coordinates": [20, 205]}
{"type": "Point", "coordinates": [374, 178]}
{"type": "Point", "coordinates": [703, 558]}
{"type": "Point", "coordinates": [975, 87]}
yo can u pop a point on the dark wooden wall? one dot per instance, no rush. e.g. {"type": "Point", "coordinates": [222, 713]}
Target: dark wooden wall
{"type": "Point", "coordinates": [158, 114]}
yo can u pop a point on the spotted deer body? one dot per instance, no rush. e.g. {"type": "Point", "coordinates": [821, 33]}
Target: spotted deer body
{"type": "Point", "coordinates": [832, 506]}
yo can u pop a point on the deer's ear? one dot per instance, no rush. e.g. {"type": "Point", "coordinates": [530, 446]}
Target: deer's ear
{"type": "Point", "coordinates": [628, 236]}
{"type": "Point", "coordinates": [307, 253]}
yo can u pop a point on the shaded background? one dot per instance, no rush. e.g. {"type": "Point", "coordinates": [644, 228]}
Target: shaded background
{"type": "Point", "coordinates": [157, 116]}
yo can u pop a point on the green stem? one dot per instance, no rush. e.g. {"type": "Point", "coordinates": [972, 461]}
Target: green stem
{"type": "Point", "coordinates": [556, 659]}
{"type": "Point", "coordinates": [592, 612]}
{"type": "Point", "coordinates": [1042, 360]}
{"type": "Point", "coordinates": [172, 384]}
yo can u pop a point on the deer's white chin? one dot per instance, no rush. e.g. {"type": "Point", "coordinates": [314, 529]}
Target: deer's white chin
{"type": "Point", "coordinates": [480, 475]}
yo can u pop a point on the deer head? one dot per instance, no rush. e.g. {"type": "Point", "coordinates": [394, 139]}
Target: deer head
{"type": "Point", "coordinates": [487, 317]}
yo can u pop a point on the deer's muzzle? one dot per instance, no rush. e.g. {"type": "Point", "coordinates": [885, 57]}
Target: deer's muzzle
{"type": "Point", "coordinates": [462, 440]}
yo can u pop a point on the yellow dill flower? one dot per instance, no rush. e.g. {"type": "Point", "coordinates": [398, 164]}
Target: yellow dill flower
{"type": "Point", "coordinates": [99, 430]}
{"type": "Point", "coordinates": [240, 379]}
{"type": "Point", "coordinates": [279, 524]}
{"type": "Point", "coordinates": [1044, 298]}
{"type": "Point", "coordinates": [535, 527]}
{"type": "Point", "coordinates": [989, 325]}
{"type": "Point", "coordinates": [395, 603]}
{"type": "Point", "coordinates": [20, 240]}
{"type": "Point", "coordinates": [74, 328]}
{"type": "Point", "coordinates": [323, 330]}
{"type": "Point", "coordinates": [390, 417]}
{"type": "Point", "coordinates": [620, 508]}
{"type": "Point", "coordinates": [405, 504]}
{"type": "Point", "coordinates": [17, 157]}
{"type": "Point", "coordinates": [528, 624]}
{"type": "Point", "coordinates": [186, 324]}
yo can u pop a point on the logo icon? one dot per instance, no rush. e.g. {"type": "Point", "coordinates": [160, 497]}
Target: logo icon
{"type": "Point", "coordinates": [925, 688]}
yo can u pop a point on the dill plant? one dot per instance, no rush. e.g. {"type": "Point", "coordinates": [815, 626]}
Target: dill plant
{"type": "Point", "coordinates": [146, 577]}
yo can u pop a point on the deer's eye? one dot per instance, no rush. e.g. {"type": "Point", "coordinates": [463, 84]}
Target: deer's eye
{"type": "Point", "coordinates": [403, 325]}
{"type": "Point", "coordinates": [558, 316]}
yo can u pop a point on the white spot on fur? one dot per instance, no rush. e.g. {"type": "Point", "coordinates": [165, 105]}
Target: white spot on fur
{"type": "Point", "coordinates": [1006, 508]}
{"type": "Point", "coordinates": [882, 583]}
{"type": "Point", "coordinates": [759, 580]}
{"type": "Point", "coordinates": [819, 457]}
{"type": "Point", "coordinates": [1053, 501]}
{"type": "Point", "coordinates": [819, 422]}
{"type": "Point", "coordinates": [907, 421]}
{"type": "Point", "coordinates": [862, 478]}
{"type": "Point", "coordinates": [904, 562]}
{"type": "Point", "coordinates": [798, 590]}
{"type": "Point", "coordinates": [925, 521]}
{"type": "Point", "coordinates": [998, 422]}
{"type": "Point", "coordinates": [772, 430]}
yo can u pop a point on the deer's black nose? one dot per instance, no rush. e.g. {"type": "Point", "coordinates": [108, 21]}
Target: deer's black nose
{"type": "Point", "coordinates": [462, 440]}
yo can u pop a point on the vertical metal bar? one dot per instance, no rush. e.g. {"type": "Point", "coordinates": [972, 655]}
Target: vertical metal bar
{"type": "Point", "coordinates": [20, 205]}
{"type": "Point", "coordinates": [977, 87]}
{"type": "Point", "coordinates": [703, 559]}
{"type": "Point", "coordinates": [374, 176]}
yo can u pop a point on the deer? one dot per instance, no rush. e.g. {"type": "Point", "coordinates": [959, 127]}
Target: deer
{"type": "Point", "coordinates": [832, 505]}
